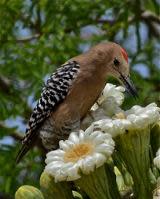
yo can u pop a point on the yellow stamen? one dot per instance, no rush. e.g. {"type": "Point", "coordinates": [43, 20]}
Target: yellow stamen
{"type": "Point", "coordinates": [120, 116]}
{"type": "Point", "coordinates": [78, 151]}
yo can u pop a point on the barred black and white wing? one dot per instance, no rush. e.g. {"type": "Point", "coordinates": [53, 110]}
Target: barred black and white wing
{"type": "Point", "coordinates": [54, 92]}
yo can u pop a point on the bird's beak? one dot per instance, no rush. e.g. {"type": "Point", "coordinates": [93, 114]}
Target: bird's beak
{"type": "Point", "coordinates": [129, 85]}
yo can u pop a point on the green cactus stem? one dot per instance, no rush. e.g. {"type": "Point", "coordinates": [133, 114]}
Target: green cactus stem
{"type": "Point", "coordinates": [96, 184]}
{"type": "Point", "coordinates": [155, 138]}
{"type": "Point", "coordinates": [133, 148]}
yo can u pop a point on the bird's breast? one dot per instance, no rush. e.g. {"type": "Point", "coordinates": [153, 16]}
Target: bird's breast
{"type": "Point", "coordinates": [82, 95]}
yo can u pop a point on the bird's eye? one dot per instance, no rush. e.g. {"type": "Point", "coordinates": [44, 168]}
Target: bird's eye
{"type": "Point", "coordinates": [116, 62]}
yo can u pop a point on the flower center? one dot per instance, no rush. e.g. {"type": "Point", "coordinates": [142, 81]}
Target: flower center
{"type": "Point", "coordinates": [78, 151]}
{"type": "Point", "coordinates": [120, 116]}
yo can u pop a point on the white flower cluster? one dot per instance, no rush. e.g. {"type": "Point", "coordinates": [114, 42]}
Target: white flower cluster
{"type": "Point", "coordinates": [136, 118]}
{"type": "Point", "coordinates": [110, 100]}
{"type": "Point", "coordinates": [157, 159]}
{"type": "Point", "coordinates": [86, 150]}
{"type": "Point", "coordinates": [156, 194]}
{"type": "Point", "coordinates": [81, 153]}
{"type": "Point", "coordinates": [112, 92]}
{"type": "Point", "coordinates": [106, 106]}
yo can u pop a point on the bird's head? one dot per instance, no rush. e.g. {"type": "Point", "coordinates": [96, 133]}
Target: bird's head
{"type": "Point", "coordinates": [115, 63]}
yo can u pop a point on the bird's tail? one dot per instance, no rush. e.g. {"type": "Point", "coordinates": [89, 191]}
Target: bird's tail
{"type": "Point", "coordinates": [27, 144]}
{"type": "Point", "coordinates": [23, 150]}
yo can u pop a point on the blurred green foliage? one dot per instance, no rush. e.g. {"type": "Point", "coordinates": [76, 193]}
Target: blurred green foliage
{"type": "Point", "coordinates": [38, 36]}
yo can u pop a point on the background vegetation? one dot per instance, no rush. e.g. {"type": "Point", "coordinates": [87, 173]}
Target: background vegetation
{"type": "Point", "coordinates": [38, 36]}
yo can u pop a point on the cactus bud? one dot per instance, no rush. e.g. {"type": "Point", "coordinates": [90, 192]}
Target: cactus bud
{"type": "Point", "coordinates": [28, 192]}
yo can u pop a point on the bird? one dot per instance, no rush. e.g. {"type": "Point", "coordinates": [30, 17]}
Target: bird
{"type": "Point", "coordinates": [70, 92]}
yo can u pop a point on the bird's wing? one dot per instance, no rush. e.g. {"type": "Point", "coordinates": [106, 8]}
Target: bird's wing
{"type": "Point", "coordinates": [54, 92]}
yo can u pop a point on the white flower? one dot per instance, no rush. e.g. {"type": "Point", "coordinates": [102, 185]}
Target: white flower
{"type": "Point", "coordinates": [156, 194]}
{"type": "Point", "coordinates": [157, 159]}
{"type": "Point", "coordinates": [106, 106]}
{"type": "Point", "coordinates": [81, 153]}
{"type": "Point", "coordinates": [110, 100]}
{"type": "Point", "coordinates": [136, 118]}
{"type": "Point", "coordinates": [111, 91]}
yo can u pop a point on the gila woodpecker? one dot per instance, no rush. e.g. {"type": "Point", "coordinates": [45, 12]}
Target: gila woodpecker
{"type": "Point", "coordinates": [71, 91]}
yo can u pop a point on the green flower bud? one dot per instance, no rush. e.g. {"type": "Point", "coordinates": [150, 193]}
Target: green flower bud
{"type": "Point", "coordinates": [51, 189]}
{"type": "Point", "coordinates": [28, 192]}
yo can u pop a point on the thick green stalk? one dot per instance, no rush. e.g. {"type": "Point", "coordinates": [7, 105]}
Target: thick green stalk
{"type": "Point", "coordinates": [155, 137]}
{"type": "Point", "coordinates": [113, 187]}
{"type": "Point", "coordinates": [133, 147]}
{"type": "Point", "coordinates": [95, 184]}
